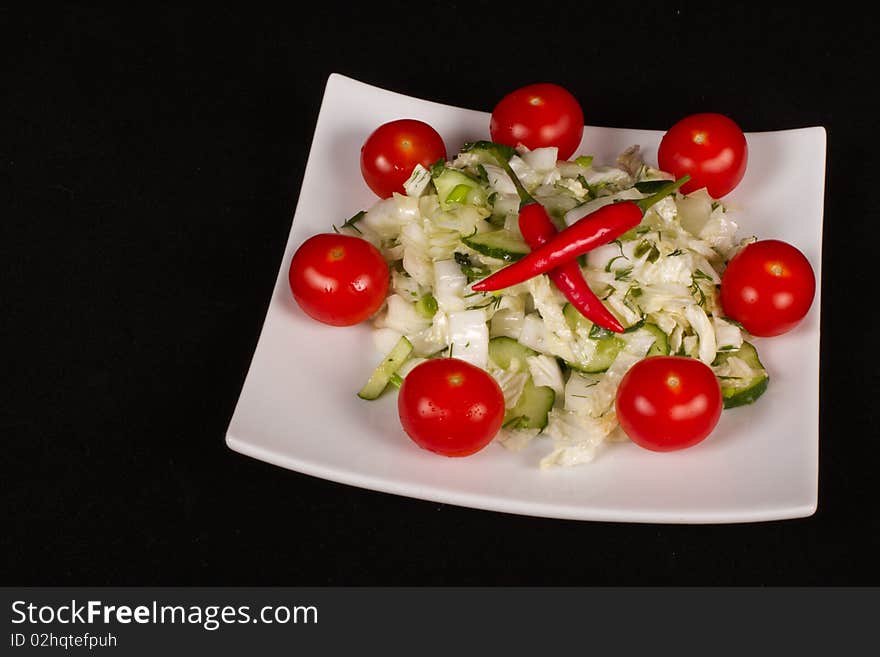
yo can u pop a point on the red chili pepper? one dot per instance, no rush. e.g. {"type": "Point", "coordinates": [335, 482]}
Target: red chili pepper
{"type": "Point", "coordinates": [537, 229]}
{"type": "Point", "coordinates": [600, 227]}
{"type": "Point", "coordinates": [596, 229]}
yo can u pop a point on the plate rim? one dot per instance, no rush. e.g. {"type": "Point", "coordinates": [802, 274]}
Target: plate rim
{"type": "Point", "coordinates": [485, 502]}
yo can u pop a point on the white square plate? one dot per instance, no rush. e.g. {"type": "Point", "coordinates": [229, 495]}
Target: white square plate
{"type": "Point", "coordinates": [298, 407]}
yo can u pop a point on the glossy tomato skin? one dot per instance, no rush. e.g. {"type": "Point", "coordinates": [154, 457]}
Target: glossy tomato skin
{"type": "Point", "coordinates": [450, 407]}
{"type": "Point", "coordinates": [390, 153]}
{"type": "Point", "coordinates": [665, 403]}
{"type": "Point", "coordinates": [768, 287]}
{"type": "Point", "coordinates": [338, 279]}
{"type": "Point", "coordinates": [711, 148]}
{"type": "Point", "coordinates": [539, 115]}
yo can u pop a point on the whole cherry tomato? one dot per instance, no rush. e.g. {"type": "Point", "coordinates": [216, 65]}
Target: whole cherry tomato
{"type": "Point", "coordinates": [710, 148]}
{"type": "Point", "coordinates": [666, 403]}
{"type": "Point", "coordinates": [338, 279]}
{"type": "Point", "coordinates": [450, 407]}
{"type": "Point", "coordinates": [768, 287]}
{"type": "Point", "coordinates": [539, 115]}
{"type": "Point", "coordinates": [392, 151]}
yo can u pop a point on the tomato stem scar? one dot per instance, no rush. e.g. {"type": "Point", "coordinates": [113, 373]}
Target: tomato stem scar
{"type": "Point", "coordinates": [455, 379]}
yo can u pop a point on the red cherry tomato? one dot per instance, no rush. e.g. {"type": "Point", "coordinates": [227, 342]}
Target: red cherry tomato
{"type": "Point", "coordinates": [768, 287]}
{"type": "Point", "coordinates": [450, 407]}
{"type": "Point", "coordinates": [539, 115]}
{"type": "Point", "coordinates": [394, 149]}
{"type": "Point", "coordinates": [668, 402]}
{"type": "Point", "coordinates": [338, 279]}
{"type": "Point", "coordinates": [710, 148]}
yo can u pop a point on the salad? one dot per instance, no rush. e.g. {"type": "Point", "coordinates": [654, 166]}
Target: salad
{"type": "Point", "coordinates": [521, 291]}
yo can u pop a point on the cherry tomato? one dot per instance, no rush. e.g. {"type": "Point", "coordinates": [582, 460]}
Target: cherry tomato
{"type": "Point", "coordinates": [450, 407]}
{"type": "Point", "coordinates": [710, 148]}
{"type": "Point", "coordinates": [338, 279]}
{"type": "Point", "coordinates": [539, 115]}
{"type": "Point", "coordinates": [666, 403]}
{"type": "Point", "coordinates": [394, 149]}
{"type": "Point", "coordinates": [768, 287]}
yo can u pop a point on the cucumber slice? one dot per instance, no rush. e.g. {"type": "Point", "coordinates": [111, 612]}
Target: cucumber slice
{"type": "Point", "coordinates": [427, 306]}
{"type": "Point", "coordinates": [503, 205]}
{"type": "Point", "coordinates": [574, 319]}
{"type": "Point", "coordinates": [557, 205]}
{"type": "Point", "coordinates": [459, 194]}
{"type": "Point", "coordinates": [530, 411]}
{"type": "Point", "coordinates": [607, 348]}
{"type": "Point", "coordinates": [661, 342]}
{"type": "Point", "coordinates": [456, 187]}
{"type": "Point", "coordinates": [747, 391]}
{"type": "Point", "coordinates": [501, 244]}
{"type": "Point", "coordinates": [610, 344]}
{"type": "Point", "coordinates": [606, 351]}
{"type": "Point", "coordinates": [383, 373]}
{"type": "Point", "coordinates": [503, 350]}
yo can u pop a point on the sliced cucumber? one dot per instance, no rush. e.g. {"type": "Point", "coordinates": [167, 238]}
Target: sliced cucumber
{"type": "Point", "coordinates": [661, 342]}
{"type": "Point", "coordinates": [501, 244]}
{"type": "Point", "coordinates": [530, 411]}
{"type": "Point", "coordinates": [503, 205]}
{"type": "Point", "coordinates": [557, 205]}
{"type": "Point", "coordinates": [574, 319]}
{"type": "Point", "coordinates": [427, 306]}
{"type": "Point", "coordinates": [503, 351]}
{"type": "Point", "coordinates": [455, 187]}
{"type": "Point", "coordinates": [607, 347]}
{"type": "Point", "coordinates": [608, 344]}
{"type": "Point", "coordinates": [535, 402]}
{"type": "Point", "coordinates": [745, 392]}
{"type": "Point", "coordinates": [386, 369]}
{"type": "Point", "coordinates": [606, 351]}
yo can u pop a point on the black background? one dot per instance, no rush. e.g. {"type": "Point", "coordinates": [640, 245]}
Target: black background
{"type": "Point", "coordinates": [150, 167]}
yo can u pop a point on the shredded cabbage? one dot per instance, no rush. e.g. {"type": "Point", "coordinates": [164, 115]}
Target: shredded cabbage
{"type": "Point", "coordinates": [589, 207]}
{"type": "Point", "coordinates": [511, 382]}
{"type": "Point", "coordinates": [401, 315]}
{"type": "Point", "coordinates": [576, 438]}
{"type": "Point", "coordinates": [449, 284]}
{"type": "Point", "coordinates": [705, 332]}
{"type": "Point", "coordinates": [664, 273]}
{"type": "Point", "coordinates": [500, 181]}
{"type": "Point", "coordinates": [387, 217]}
{"type": "Point", "coordinates": [516, 439]}
{"type": "Point", "coordinates": [507, 321]}
{"type": "Point", "coordinates": [545, 372]}
{"type": "Point", "coordinates": [541, 160]}
{"type": "Point", "coordinates": [728, 337]}
{"type": "Point", "coordinates": [418, 182]}
{"type": "Point", "coordinates": [469, 337]}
